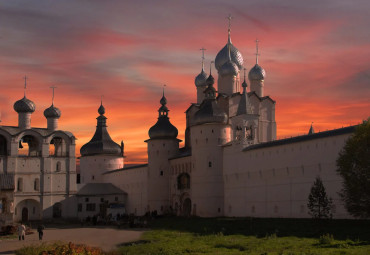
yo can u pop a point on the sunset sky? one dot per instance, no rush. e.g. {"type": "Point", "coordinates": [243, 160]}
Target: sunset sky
{"type": "Point", "coordinates": [316, 55]}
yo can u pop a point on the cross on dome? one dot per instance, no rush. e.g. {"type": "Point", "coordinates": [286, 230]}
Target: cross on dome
{"type": "Point", "coordinates": [25, 84]}
{"type": "Point", "coordinates": [229, 29]}
{"type": "Point", "coordinates": [52, 99]}
{"type": "Point", "coordinates": [203, 49]}
{"type": "Point", "coordinates": [257, 54]}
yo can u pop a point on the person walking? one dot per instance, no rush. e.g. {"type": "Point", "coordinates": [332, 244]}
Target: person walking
{"type": "Point", "coordinates": [40, 230]}
{"type": "Point", "coordinates": [21, 231]}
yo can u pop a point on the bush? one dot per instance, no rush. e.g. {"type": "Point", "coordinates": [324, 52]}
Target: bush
{"type": "Point", "coordinates": [326, 239]}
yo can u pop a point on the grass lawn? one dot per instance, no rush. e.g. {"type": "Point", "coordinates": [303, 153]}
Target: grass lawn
{"type": "Point", "coordinates": [253, 236]}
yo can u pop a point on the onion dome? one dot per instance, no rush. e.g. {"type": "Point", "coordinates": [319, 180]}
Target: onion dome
{"type": "Point", "coordinates": [101, 109]}
{"type": "Point", "coordinates": [24, 105]}
{"type": "Point", "coordinates": [244, 84]}
{"type": "Point", "coordinates": [163, 129]}
{"type": "Point", "coordinates": [229, 68]}
{"type": "Point", "coordinates": [52, 112]}
{"type": "Point", "coordinates": [235, 55]}
{"type": "Point", "coordinates": [200, 80]}
{"type": "Point", "coordinates": [257, 73]}
{"type": "Point", "coordinates": [101, 143]}
{"type": "Point", "coordinates": [209, 111]}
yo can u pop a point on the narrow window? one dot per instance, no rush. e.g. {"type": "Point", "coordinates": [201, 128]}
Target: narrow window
{"type": "Point", "coordinates": [209, 164]}
{"type": "Point", "coordinates": [36, 184]}
{"type": "Point", "coordinates": [20, 184]}
{"type": "Point", "coordinates": [59, 166]}
{"type": "Point", "coordinates": [79, 207]}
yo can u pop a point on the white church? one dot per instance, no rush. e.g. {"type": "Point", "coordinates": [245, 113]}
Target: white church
{"type": "Point", "coordinates": [231, 163]}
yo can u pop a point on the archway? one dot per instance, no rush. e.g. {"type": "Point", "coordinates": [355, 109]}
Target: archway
{"type": "Point", "coordinates": [27, 210]}
{"type": "Point", "coordinates": [24, 214]}
{"type": "Point", "coordinates": [57, 210]}
{"type": "Point", "coordinates": [186, 207]}
{"type": "Point", "coordinates": [28, 146]}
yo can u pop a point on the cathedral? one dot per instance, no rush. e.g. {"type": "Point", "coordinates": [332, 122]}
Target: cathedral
{"type": "Point", "coordinates": [231, 164]}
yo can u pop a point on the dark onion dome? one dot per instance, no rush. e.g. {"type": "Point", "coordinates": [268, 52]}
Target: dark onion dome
{"type": "Point", "coordinates": [101, 109]}
{"type": "Point", "coordinates": [24, 105]}
{"type": "Point", "coordinates": [200, 80]}
{"type": "Point", "coordinates": [210, 80]}
{"type": "Point", "coordinates": [52, 112]}
{"type": "Point", "coordinates": [101, 143]}
{"type": "Point", "coordinates": [229, 68]}
{"type": "Point", "coordinates": [210, 111]}
{"type": "Point", "coordinates": [163, 129]}
{"type": "Point", "coordinates": [223, 56]}
{"type": "Point", "coordinates": [257, 73]}
{"type": "Point", "coordinates": [244, 84]}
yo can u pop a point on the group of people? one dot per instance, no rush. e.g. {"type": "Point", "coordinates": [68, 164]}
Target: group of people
{"type": "Point", "coordinates": [22, 231]}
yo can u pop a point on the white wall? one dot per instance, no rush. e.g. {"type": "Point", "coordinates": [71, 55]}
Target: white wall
{"type": "Point", "coordinates": [276, 181]}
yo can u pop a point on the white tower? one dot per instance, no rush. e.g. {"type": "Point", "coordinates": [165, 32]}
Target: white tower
{"type": "Point", "coordinates": [210, 132]}
{"type": "Point", "coordinates": [101, 153]}
{"type": "Point", "coordinates": [162, 145]}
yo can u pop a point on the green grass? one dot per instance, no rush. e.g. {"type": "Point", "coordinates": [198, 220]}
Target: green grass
{"type": "Point", "coordinates": [253, 236]}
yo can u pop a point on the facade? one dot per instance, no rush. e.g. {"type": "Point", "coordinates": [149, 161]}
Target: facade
{"type": "Point", "coordinates": [37, 168]}
{"type": "Point", "coordinates": [231, 164]}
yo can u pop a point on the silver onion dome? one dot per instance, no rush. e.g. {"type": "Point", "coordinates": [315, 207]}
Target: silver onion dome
{"type": "Point", "coordinates": [223, 56]}
{"type": "Point", "coordinates": [200, 80]}
{"type": "Point", "coordinates": [24, 105]}
{"type": "Point", "coordinates": [52, 112]}
{"type": "Point", "coordinates": [256, 73]}
{"type": "Point", "coordinates": [229, 68]}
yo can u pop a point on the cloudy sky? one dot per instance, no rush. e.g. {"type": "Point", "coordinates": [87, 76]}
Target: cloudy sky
{"type": "Point", "coordinates": [316, 55]}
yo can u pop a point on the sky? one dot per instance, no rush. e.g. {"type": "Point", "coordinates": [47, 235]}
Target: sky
{"type": "Point", "coordinates": [316, 55]}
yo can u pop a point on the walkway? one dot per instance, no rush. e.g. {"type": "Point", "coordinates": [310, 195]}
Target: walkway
{"type": "Point", "coordinates": [105, 238]}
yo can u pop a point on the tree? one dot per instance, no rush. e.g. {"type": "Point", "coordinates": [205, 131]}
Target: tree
{"type": "Point", "coordinates": [318, 202]}
{"type": "Point", "coordinates": [353, 164]}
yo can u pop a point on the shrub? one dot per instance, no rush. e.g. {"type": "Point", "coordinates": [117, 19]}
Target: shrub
{"type": "Point", "coordinates": [326, 239]}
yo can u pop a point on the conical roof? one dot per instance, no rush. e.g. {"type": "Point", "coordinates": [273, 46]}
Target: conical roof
{"type": "Point", "coordinates": [101, 143]}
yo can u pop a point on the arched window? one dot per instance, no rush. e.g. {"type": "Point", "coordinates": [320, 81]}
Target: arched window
{"type": "Point", "coordinates": [36, 184]}
{"type": "Point", "coordinates": [28, 146]}
{"type": "Point", "coordinates": [57, 147]}
{"type": "Point", "coordinates": [183, 181]}
{"type": "Point", "coordinates": [20, 184]}
{"type": "Point", "coordinates": [59, 166]}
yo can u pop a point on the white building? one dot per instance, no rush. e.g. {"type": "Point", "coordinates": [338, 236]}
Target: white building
{"type": "Point", "coordinates": [231, 164]}
{"type": "Point", "coordinates": [37, 168]}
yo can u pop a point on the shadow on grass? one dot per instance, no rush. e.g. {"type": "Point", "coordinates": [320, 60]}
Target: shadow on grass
{"type": "Point", "coordinates": [261, 227]}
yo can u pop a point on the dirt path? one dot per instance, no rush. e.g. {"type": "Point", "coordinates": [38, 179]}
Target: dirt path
{"type": "Point", "coordinates": [105, 238]}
